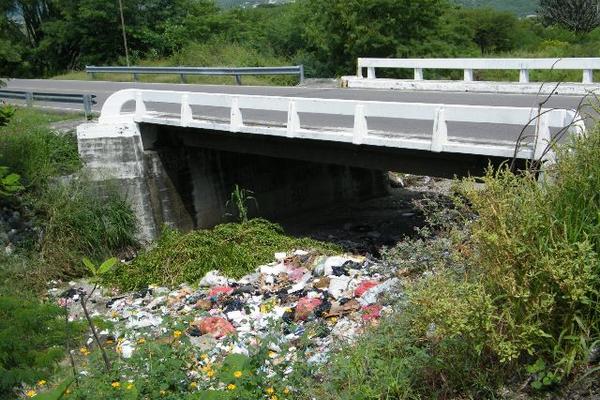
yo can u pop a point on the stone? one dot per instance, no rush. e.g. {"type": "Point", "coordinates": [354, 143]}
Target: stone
{"type": "Point", "coordinates": [216, 327]}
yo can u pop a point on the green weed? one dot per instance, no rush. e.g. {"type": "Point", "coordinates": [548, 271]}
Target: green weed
{"type": "Point", "coordinates": [234, 249]}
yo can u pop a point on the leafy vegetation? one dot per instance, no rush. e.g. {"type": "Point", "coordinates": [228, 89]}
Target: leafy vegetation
{"type": "Point", "coordinates": [32, 338]}
{"type": "Point", "coordinates": [234, 249]}
{"type": "Point", "coordinates": [509, 295]}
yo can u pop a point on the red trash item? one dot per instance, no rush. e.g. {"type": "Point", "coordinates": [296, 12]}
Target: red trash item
{"type": "Point", "coordinates": [305, 307]}
{"type": "Point", "coordinates": [371, 312]}
{"type": "Point", "coordinates": [216, 327]}
{"type": "Point", "coordinates": [364, 286]}
{"type": "Point", "coordinates": [219, 290]}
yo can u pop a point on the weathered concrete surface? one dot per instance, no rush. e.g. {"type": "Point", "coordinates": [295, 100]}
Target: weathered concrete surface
{"type": "Point", "coordinates": [169, 180]}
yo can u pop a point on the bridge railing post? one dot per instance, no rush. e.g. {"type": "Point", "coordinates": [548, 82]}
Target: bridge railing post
{"type": "Point", "coordinates": [524, 76]}
{"type": "Point", "coordinates": [371, 73]}
{"type": "Point", "coordinates": [468, 75]}
{"type": "Point", "coordinates": [588, 76]}
{"type": "Point", "coordinates": [140, 107]}
{"type": "Point", "coordinates": [439, 137]}
{"type": "Point", "coordinates": [186, 111]}
{"type": "Point", "coordinates": [236, 119]}
{"type": "Point", "coordinates": [293, 120]}
{"type": "Point", "coordinates": [361, 129]}
{"type": "Point", "coordinates": [418, 74]}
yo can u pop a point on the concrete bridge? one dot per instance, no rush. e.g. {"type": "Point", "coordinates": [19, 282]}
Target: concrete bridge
{"type": "Point", "coordinates": [178, 154]}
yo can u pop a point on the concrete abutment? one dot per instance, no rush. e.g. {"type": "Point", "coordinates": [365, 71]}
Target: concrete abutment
{"type": "Point", "coordinates": [183, 178]}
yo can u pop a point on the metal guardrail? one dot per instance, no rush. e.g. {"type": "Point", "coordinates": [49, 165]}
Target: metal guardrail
{"type": "Point", "coordinates": [439, 114]}
{"type": "Point", "coordinates": [524, 65]}
{"type": "Point", "coordinates": [87, 100]}
{"type": "Point", "coordinates": [207, 71]}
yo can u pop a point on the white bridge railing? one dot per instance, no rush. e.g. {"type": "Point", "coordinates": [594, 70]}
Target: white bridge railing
{"type": "Point", "coordinates": [468, 65]}
{"type": "Point", "coordinates": [436, 140]}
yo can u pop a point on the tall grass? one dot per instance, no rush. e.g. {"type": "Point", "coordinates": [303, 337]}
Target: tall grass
{"type": "Point", "coordinates": [519, 287]}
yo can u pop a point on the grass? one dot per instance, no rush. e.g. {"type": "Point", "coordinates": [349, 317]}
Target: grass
{"type": "Point", "coordinates": [215, 53]}
{"type": "Point", "coordinates": [509, 299]}
{"type": "Point", "coordinates": [234, 249]}
{"type": "Point", "coordinates": [73, 216]}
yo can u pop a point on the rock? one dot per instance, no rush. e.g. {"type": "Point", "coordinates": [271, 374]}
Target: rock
{"type": "Point", "coordinates": [216, 327]}
{"type": "Point", "coordinates": [305, 307]}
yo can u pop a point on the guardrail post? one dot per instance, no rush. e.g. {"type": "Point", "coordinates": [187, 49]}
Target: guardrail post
{"type": "Point", "coordinates": [140, 107]}
{"type": "Point", "coordinates": [469, 75]}
{"type": "Point", "coordinates": [182, 78]}
{"type": "Point", "coordinates": [418, 74]}
{"type": "Point", "coordinates": [29, 99]}
{"type": "Point", "coordinates": [136, 77]}
{"type": "Point", "coordinates": [186, 111]}
{"type": "Point", "coordinates": [238, 80]}
{"type": "Point", "coordinates": [302, 73]}
{"type": "Point", "coordinates": [237, 121]}
{"type": "Point", "coordinates": [588, 76]}
{"type": "Point", "coordinates": [361, 129]}
{"type": "Point", "coordinates": [371, 73]}
{"type": "Point", "coordinates": [293, 120]}
{"type": "Point", "coordinates": [524, 76]}
{"type": "Point", "coordinates": [440, 131]}
{"type": "Point", "coordinates": [87, 105]}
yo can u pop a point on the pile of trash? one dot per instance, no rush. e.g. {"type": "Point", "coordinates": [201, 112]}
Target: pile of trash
{"type": "Point", "coordinates": [341, 295]}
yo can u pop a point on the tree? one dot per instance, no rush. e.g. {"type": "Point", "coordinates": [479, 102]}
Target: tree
{"type": "Point", "coordinates": [580, 16]}
{"type": "Point", "coordinates": [491, 30]}
{"type": "Point", "coordinates": [337, 32]}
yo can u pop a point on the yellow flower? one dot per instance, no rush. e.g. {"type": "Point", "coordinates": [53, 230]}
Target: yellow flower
{"type": "Point", "coordinates": [272, 354]}
{"type": "Point", "coordinates": [84, 351]}
{"type": "Point", "coordinates": [237, 374]}
{"type": "Point", "coordinates": [129, 386]}
{"type": "Point", "coordinates": [68, 391]}
{"type": "Point", "coordinates": [116, 385]}
{"type": "Point", "coordinates": [31, 393]}
{"type": "Point", "coordinates": [270, 390]}
{"type": "Point", "coordinates": [231, 386]}
{"type": "Point", "coordinates": [41, 382]}
{"type": "Point", "coordinates": [176, 334]}
{"type": "Point", "coordinates": [273, 397]}
{"type": "Point", "coordinates": [141, 341]}
{"type": "Point", "coordinates": [204, 357]}
{"type": "Point", "coordinates": [193, 385]}
{"type": "Point", "coordinates": [286, 391]}
{"type": "Point", "coordinates": [210, 373]}
{"type": "Point", "coordinates": [162, 393]}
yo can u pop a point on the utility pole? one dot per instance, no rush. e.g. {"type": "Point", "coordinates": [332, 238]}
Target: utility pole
{"type": "Point", "coordinates": [124, 34]}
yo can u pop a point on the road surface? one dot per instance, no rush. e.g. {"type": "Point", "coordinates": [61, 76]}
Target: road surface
{"type": "Point", "coordinates": [483, 132]}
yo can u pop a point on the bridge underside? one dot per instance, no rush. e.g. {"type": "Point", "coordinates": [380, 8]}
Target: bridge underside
{"type": "Point", "coordinates": [184, 177]}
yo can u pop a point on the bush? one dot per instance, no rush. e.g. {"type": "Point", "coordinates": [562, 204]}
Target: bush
{"type": "Point", "coordinates": [78, 221]}
{"type": "Point", "coordinates": [29, 148]}
{"type": "Point", "coordinates": [234, 249]}
{"type": "Point", "coordinates": [32, 336]}
{"type": "Point", "coordinates": [6, 113]}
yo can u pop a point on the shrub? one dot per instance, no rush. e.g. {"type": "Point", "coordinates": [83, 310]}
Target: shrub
{"type": "Point", "coordinates": [234, 249]}
{"type": "Point", "coordinates": [79, 220]}
{"type": "Point", "coordinates": [32, 336]}
{"type": "Point", "coordinates": [6, 113]}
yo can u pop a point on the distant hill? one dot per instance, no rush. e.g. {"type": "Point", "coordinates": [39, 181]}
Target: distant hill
{"type": "Point", "coordinates": [247, 3]}
{"type": "Point", "coordinates": [520, 7]}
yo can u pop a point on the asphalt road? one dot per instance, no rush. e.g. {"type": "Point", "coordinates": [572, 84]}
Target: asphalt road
{"type": "Point", "coordinates": [483, 132]}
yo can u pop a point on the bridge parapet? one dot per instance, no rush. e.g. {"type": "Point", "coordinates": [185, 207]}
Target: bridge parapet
{"type": "Point", "coordinates": [469, 65]}
{"type": "Point", "coordinates": [437, 140]}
